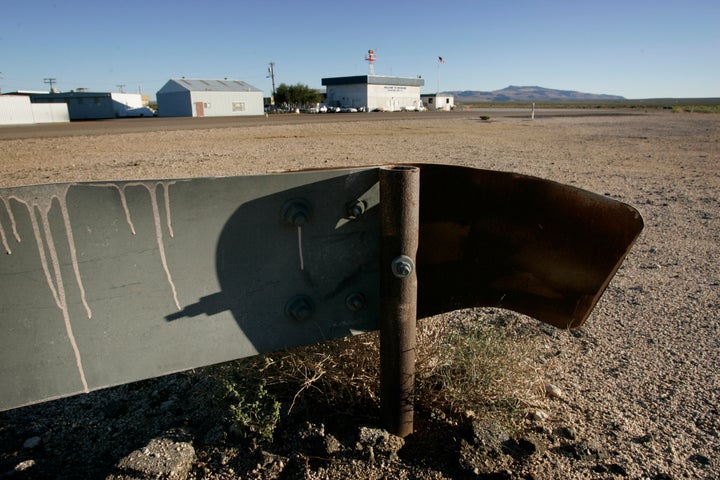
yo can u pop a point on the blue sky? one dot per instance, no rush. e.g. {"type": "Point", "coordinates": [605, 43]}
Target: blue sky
{"type": "Point", "coordinates": [637, 49]}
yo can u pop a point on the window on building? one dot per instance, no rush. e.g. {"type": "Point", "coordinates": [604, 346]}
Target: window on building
{"type": "Point", "coordinates": [207, 105]}
{"type": "Point", "coordinates": [447, 100]}
{"type": "Point", "coordinates": [238, 106]}
{"type": "Point", "coordinates": [430, 100]}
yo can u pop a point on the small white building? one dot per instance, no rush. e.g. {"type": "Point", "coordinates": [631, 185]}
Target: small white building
{"type": "Point", "coordinates": [438, 101]}
{"type": "Point", "coordinates": [17, 110]}
{"type": "Point", "coordinates": [85, 105]}
{"type": "Point", "coordinates": [185, 97]}
{"type": "Point", "coordinates": [374, 92]}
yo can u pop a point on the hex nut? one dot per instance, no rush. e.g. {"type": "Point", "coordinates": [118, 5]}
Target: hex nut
{"type": "Point", "coordinates": [402, 266]}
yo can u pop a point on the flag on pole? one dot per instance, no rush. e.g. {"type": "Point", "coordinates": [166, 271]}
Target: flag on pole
{"type": "Point", "coordinates": [441, 60]}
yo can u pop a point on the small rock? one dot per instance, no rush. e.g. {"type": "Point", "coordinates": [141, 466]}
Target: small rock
{"type": "Point", "coordinates": [567, 432]}
{"type": "Point", "coordinates": [332, 444]}
{"type": "Point", "coordinates": [269, 459]}
{"type": "Point", "coordinates": [552, 391]}
{"type": "Point", "coordinates": [22, 466]}
{"type": "Point", "coordinates": [540, 416]}
{"type": "Point", "coordinates": [383, 443]}
{"type": "Point", "coordinates": [32, 442]}
{"type": "Point", "coordinates": [170, 456]}
{"type": "Point", "coordinates": [489, 437]}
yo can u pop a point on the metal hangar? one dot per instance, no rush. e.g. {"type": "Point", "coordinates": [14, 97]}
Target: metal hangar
{"type": "Point", "coordinates": [184, 97]}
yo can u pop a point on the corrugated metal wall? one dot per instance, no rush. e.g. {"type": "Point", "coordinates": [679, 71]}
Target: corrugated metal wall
{"type": "Point", "coordinates": [50, 112]}
{"type": "Point", "coordinates": [15, 110]}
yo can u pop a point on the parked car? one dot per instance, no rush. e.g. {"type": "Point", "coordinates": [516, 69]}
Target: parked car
{"type": "Point", "coordinates": [138, 112]}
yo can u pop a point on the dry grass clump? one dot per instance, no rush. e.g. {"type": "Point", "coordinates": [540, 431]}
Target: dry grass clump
{"type": "Point", "coordinates": [482, 361]}
{"type": "Point", "coordinates": [476, 360]}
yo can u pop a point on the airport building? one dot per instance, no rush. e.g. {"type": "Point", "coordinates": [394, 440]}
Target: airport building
{"type": "Point", "coordinates": [374, 92]}
{"type": "Point", "coordinates": [184, 97]}
{"type": "Point", "coordinates": [438, 101]}
{"type": "Point", "coordinates": [85, 105]}
{"type": "Point", "coordinates": [18, 110]}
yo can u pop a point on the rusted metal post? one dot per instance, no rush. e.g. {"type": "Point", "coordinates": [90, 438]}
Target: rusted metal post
{"type": "Point", "coordinates": [399, 226]}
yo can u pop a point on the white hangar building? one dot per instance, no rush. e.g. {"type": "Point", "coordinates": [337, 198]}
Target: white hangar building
{"type": "Point", "coordinates": [184, 97]}
{"type": "Point", "coordinates": [374, 92]}
{"type": "Point", "coordinates": [85, 105]}
{"type": "Point", "coordinates": [17, 110]}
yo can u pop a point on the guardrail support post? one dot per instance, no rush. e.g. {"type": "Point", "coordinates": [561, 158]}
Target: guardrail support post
{"type": "Point", "coordinates": [399, 226]}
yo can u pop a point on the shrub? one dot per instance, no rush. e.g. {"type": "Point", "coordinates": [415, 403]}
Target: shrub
{"type": "Point", "coordinates": [252, 410]}
{"type": "Point", "coordinates": [471, 360]}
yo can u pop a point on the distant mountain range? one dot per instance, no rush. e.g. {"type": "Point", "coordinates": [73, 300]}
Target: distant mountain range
{"type": "Point", "coordinates": [529, 94]}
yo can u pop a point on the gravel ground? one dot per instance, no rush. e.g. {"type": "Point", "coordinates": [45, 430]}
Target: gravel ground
{"type": "Point", "coordinates": [639, 385]}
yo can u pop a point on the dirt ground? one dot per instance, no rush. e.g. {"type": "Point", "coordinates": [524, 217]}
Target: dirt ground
{"type": "Point", "coordinates": [640, 383]}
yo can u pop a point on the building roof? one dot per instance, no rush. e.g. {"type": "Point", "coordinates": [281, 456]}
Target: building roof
{"type": "Point", "coordinates": [374, 80]}
{"type": "Point", "coordinates": [206, 85]}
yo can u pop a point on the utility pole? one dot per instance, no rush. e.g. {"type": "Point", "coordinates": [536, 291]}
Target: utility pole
{"type": "Point", "coordinates": [50, 81]}
{"type": "Point", "coordinates": [121, 87]}
{"type": "Point", "coordinates": [271, 72]}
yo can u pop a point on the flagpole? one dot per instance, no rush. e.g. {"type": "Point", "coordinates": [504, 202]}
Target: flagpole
{"type": "Point", "coordinates": [437, 88]}
{"type": "Point", "coordinates": [439, 61]}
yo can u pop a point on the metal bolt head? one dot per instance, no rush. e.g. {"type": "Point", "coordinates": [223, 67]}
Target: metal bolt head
{"type": "Point", "coordinates": [299, 308]}
{"type": "Point", "coordinates": [355, 209]}
{"type": "Point", "coordinates": [296, 212]}
{"type": "Point", "coordinates": [355, 302]}
{"type": "Point", "coordinates": [402, 266]}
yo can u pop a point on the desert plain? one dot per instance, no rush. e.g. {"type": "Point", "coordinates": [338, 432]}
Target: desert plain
{"type": "Point", "coordinates": [640, 383]}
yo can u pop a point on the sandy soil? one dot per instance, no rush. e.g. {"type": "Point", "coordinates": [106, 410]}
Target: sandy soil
{"type": "Point", "coordinates": [640, 381]}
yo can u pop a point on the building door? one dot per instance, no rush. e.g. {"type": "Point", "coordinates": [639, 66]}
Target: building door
{"type": "Point", "coordinates": [200, 111]}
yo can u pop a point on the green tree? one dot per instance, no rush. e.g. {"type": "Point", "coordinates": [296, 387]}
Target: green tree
{"type": "Point", "coordinates": [296, 96]}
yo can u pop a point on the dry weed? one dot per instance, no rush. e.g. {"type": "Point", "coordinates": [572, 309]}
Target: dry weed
{"type": "Point", "coordinates": [484, 361]}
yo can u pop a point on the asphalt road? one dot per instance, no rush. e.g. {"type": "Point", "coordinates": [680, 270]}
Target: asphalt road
{"type": "Point", "coordinates": [132, 125]}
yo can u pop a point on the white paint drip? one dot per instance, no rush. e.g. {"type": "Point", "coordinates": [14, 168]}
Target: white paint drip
{"type": "Point", "coordinates": [152, 187]}
{"type": "Point", "coordinates": [12, 224]}
{"type": "Point", "coordinates": [158, 234]}
{"type": "Point", "coordinates": [168, 217]}
{"type": "Point", "coordinates": [38, 201]}
{"type": "Point", "coordinates": [73, 255]}
{"type": "Point", "coordinates": [4, 241]}
{"type": "Point", "coordinates": [300, 249]}
{"type": "Point", "coordinates": [41, 202]}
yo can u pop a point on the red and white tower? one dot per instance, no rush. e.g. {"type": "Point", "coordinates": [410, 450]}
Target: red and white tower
{"type": "Point", "coordinates": [370, 58]}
